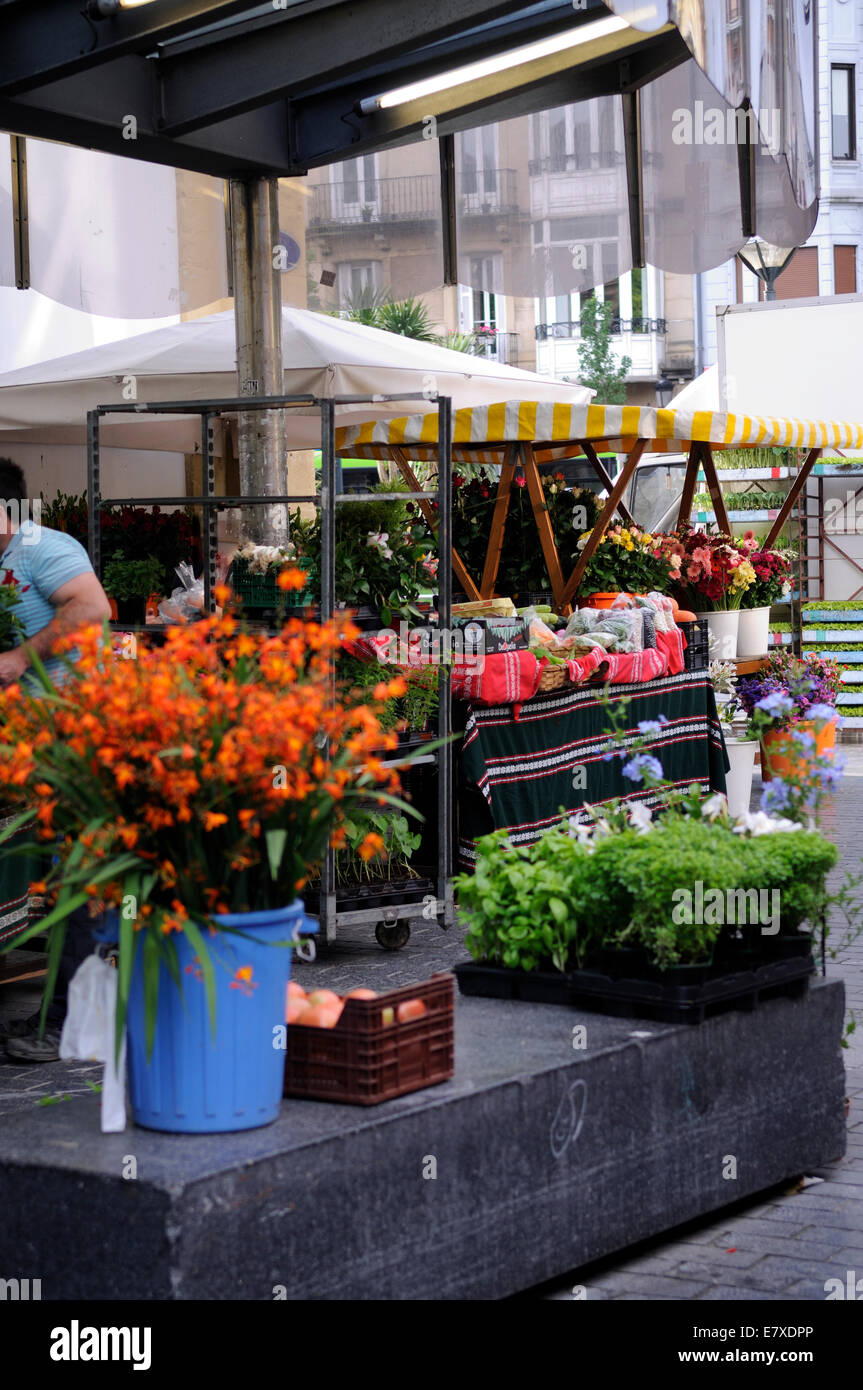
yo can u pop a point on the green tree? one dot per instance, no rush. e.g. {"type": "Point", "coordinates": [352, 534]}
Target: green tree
{"type": "Point", "coordinates": [597, 365]}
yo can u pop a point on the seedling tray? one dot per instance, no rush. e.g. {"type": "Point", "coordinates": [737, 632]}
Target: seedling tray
{"type": "Point", "coordinates": [365, 1060]}
{"type": "Point", "coordinates": [643, 998]}
{"type": "Point", "coordinates": [262, 591]}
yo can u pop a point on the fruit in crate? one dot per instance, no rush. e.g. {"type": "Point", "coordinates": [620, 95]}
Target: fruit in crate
{"type": "Point", "coordinates": [326, 999]}
{"type": "Point", "coordinates": [296, 1008]}
{"type": "Point", "coordinates": [322, 1008]}
{"type": "Point", "coordinates": [318, 1016]}
{"type": "Point", "coordinates": [411, 1008]}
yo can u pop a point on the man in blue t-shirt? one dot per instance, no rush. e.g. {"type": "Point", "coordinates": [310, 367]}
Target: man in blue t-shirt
{"type": "Point", "coordinates": [60, 593]}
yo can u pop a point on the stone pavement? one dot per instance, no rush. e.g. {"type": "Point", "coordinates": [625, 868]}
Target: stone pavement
{"type": "Point", "coordinates": [777, 1246]}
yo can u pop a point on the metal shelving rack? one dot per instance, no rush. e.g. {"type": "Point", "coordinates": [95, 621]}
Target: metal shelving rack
{"type": "Point", "coordinates": [392, 924]}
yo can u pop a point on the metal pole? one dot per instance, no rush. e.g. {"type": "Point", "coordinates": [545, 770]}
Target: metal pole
{"type": "Point", "coordinates": [258, 322]}
{"type": "Point", "coordinates": [329, 902]}
{"type": "Point", "coordinates": [208, 529]}
{"type": "Point", "coordinates": [94, 487]}
{"type": "Point", "coordinates": [445, 753]}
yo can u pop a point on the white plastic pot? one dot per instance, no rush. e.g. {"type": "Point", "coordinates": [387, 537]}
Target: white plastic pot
{"type": "Point", "coordinates": [753, 633]}
{"type": "Point", "coordinates": [738, 782]}
{"type": "Point", "coordinates": [722, 627]}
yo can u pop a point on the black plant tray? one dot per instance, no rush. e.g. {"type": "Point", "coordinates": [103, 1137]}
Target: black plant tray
{"type": "Point", "coordinates": [395, 892]}
{"type": "Point", "coordinates": [645, 998]}
{"type": "Point", "coordinates": [497, 982]}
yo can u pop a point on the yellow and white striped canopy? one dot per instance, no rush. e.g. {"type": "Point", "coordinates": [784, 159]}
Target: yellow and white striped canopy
{"type": "Point", "coordinates": [480, 432]}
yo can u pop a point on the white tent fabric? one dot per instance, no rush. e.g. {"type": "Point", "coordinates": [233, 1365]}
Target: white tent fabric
{"type": "Point", "coordinates": [196, 360]}
{"type": "Point", "coordinates": [700, 394]}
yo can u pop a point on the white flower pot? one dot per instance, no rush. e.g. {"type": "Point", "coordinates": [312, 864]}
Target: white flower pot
{"type": "Point", "coordinates": [741, 754]}
{"type": "Point", "coordinates": [721, 633]}
{"type": "Point", "coordinates": [753, 633]}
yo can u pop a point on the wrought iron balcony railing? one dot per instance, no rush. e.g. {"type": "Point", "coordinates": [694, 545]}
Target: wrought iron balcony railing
{"type": "Point", "coordinates": [410, 198]}
{"type": "Point", "coordinates": [571, 328]}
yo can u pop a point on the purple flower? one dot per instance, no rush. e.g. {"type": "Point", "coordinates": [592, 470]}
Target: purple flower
{"type": "Point", "coordinates": [650, 726]}
{"type": "Point", "coordinates": [641, 766]}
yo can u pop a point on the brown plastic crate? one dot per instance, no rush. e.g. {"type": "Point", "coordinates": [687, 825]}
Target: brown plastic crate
{"type": "Point", "coordinates": [363, 1061]}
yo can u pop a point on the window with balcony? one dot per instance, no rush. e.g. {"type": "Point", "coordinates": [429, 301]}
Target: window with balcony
{"type": "Point", "coordinates": [582, 136]}
{"type": "Point", "coordinates": [842, 111]}
{"type": "Point", "coordinates": [478, 162]}
{"type": "Point", "coordinates": [357, 280]}
{"type": "Point", "coordinates": [360, 181]}
{"type": "Point", "coordinates": [483, 312]}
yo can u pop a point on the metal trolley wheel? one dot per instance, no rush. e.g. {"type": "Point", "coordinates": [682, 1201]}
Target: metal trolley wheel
{"type": "Point", "coordinates": [393, 936]}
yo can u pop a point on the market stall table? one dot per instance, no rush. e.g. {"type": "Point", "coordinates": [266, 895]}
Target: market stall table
{"type": "Point", "coordinates": [519, 773]}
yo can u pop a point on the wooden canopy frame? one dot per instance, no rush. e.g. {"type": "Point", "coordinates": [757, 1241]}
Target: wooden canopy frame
{"type": "Point", "coordinates": [525, 454]}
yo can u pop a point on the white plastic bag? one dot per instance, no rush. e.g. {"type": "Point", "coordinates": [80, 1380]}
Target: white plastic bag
{"type": "Point", "coordinates": [88, 1035]}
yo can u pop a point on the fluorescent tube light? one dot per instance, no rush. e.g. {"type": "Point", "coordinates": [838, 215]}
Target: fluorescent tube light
{"type": "Point", "coordinates": [501, 62]}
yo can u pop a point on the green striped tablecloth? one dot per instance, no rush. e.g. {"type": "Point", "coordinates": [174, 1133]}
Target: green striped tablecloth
{"type": "Point", "coordinates": [17, 872]}
{"type": "Point", "coordinates": [519, 774]}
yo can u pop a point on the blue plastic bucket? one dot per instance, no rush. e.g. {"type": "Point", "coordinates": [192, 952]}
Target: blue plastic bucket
{"type": "Point", "coordinates": [198, 1081]}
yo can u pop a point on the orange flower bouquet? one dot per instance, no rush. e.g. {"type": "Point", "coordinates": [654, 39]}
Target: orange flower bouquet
{"type": "Point", "coordinates": [197, 779]}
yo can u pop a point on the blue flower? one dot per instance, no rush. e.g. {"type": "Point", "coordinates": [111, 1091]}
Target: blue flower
{"type": "Point", "coordinates": [607, 757]}
{"type": "Point", "coordinates": [821, 712]}
{"type": "Point", "coordinates": [775, 796]}
{"type": "Point", "coordinates": [641, 766]}
{"type": "Point", "coordinates": [650, 726]}
{"type": "Point", "coordinates": [777, 703]}
{"type": "Point", "coordinates": [804, 741]}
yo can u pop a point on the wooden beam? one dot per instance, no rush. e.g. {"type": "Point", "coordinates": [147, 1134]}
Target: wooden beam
{"type": "Point", "coordinates": [543, 521]}
{"type": "Point", "coordinates": [604, 521]}
{"type": "Point", "coordinates": [793, 493]}
{"type": "Point", "coordinates": [684, 511]}
{"type": "Point", "coordinates": [602, 474]}
{"type": "Point", "coordinates": [427, 510]}
{"type": "Point", "coordinates": [709, 466]}
{"type": "Point", "coordinates": [498, 523]}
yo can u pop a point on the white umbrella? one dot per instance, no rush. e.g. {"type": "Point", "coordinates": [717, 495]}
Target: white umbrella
{"type": "Point", "coordinates": [323, 356]}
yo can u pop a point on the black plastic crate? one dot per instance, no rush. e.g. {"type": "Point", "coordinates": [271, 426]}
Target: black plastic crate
{"type": "Point", "coordinates": [696, 656]}
{"type": "Point", "coordinates": [667, 1000]}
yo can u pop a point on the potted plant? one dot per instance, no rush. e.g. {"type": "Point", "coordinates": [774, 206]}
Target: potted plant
{"type": "Point", "coordinates": [189, 791]}
{"type": "Point", "coordinates": [380, 555]}
{"type": "Point", "coordinates": [12, 631]}
{"type": "Point", "coordinates": [740, 745]}
{"type": "Point", "coordinates": [791, 704]}
{"type": "Point", "coordinates": [130, 583]}
{"type": "Point", "coordinates": [136, 532]}
{"type": "Point", "coordinates": [772, 582]}
{"type": "Point", "coordinates": [714, 573]}
{"type": "Point", "coordinates": [626, 560]}
{"type": "Point", "coordinates": [421, 698]}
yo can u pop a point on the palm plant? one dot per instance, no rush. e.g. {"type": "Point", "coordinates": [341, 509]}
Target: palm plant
{"type": "Point", "coordinates": [409, 317]}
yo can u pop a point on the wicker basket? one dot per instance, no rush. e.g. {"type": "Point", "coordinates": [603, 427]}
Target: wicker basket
{"type": "Point", "coordinates": [553, 678]}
